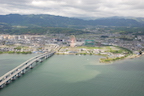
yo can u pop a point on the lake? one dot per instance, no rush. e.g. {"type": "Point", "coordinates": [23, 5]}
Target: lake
{"type": "Point", "coordinates": [73, 75]}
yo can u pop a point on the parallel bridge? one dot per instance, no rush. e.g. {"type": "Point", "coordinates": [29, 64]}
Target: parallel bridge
{"type": "Point", "coordinates": [22, 68]}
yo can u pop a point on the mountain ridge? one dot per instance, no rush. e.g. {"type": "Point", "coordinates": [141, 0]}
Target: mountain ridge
{"type": "Point", "coordinates": [45, 20]}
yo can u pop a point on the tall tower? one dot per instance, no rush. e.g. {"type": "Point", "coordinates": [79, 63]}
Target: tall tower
{"type": "Point", "coordinates": [72, 41]}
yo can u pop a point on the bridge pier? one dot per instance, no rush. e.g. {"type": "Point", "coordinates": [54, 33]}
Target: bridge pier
{"type": "Point", "coordinates": [13, 78]}
{"type": "Point", "coordinates": [1, 86]}
{"type": "Point", "coordinates": [23, 71]}
{"type": "Point", "coordinates": [18, 75]}
{"type": "Point", "coordinates": [8, 82]}
{"type": "Point", "coordinates": [46, 57]}
{"type": "Point", "coordinates": [37, 61]}
{"type": "Point", "coordinates": [31, 67]}
{"type": "Point", "coordinates": [40, 60]}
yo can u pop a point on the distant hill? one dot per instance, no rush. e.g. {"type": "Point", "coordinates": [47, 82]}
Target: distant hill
{"type": "Point", "coordinates": [141, 20]}
{"type": "Point", "coordinates": [43, 20]}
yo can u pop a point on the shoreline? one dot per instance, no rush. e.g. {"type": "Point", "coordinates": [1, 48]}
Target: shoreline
{"type": "Point", "coordinates": [107, 62]}
{"type": "Point", "coordinates": [134, 56]}
{"type": "Point", "coordinates": [12, 52]}
{"type": "Point", "coordinates": [105, 57]}
{"type": "Point", "coordinates": [127, 57]}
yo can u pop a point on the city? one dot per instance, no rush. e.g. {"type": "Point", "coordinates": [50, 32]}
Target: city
{"type": "Point", "coordinates": [108, 45]}
{"type": "Point", "coordinates": [39, 42]}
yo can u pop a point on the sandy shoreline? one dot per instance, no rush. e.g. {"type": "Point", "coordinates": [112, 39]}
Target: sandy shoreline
{"type": "Point", "coordinates": [128, 57]}
{"type": "Point", "coordinates": [134, 56]}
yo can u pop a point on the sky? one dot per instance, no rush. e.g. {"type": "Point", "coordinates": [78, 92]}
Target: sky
{"type": "Point", "coordinates": [74, 8]}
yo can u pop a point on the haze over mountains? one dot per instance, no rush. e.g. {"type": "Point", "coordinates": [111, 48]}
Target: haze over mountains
{"type": "Point", "coordinates": [44, 20]}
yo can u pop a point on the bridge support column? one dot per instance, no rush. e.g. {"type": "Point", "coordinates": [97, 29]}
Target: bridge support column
{"type": "Point", "coordinates": [1, 86]}
{"type": "Point", "coordinates": [8, 82]}
{"type": "Point", "coordinates": [18, 75]}
{"type": "Point", "coordinates": [13, 78]}
{"type": "Point", "coordinates": [31, 67]}
{"type": "Point", "coordinates": [40, 60]}
{"type": "Point", "coordinates": [23, 71]}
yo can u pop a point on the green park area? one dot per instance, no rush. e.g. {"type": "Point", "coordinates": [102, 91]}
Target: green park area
{"type": "Point", "coordinates": [110, 53]}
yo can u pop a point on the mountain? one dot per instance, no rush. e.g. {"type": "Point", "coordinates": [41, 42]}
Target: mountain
{"type": "Point", "coordinates": [43, 20]}
{"type": "Point", "coordinates": [141, 20]}
{"type": "Point", "coordinates": [40, 20]}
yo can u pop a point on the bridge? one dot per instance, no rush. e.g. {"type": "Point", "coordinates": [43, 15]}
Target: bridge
{"type": "Point", "coordinates": [23, 68]}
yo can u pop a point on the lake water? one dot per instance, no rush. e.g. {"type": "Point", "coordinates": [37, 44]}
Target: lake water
{"type": "Point", "coordinates": [73, 75]}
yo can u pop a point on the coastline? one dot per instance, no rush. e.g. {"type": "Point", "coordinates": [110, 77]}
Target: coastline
{"type": "Point", "coordinates": [117, 59]}
{"type": "Point", "coordinates": [110, 53]}
{"type": "Point", "coordinates": [13, 52]}
{"type": "Point", "coordinates": [103, 61]}
{"type": "Point", "coordinates": [134, 56]}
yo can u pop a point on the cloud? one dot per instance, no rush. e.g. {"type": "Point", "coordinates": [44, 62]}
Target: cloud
{"type": "Point", "coordinates": [47, 3]}
{"type": "Point", "coordinates": [75, 8]}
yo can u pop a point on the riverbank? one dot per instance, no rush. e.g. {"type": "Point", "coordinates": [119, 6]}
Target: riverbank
{"type": "Point", "coordinates": [134, 56]}
{"type": "Point", "coordinates": [111, 53]}
{"type": "Point", "coordinates": [110, 60]}
{"type": "Point", "coordinates": [14, 52]}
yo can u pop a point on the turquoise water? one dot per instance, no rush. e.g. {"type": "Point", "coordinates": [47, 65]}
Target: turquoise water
{"type": "Point", "coordinates": [71, 75]}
